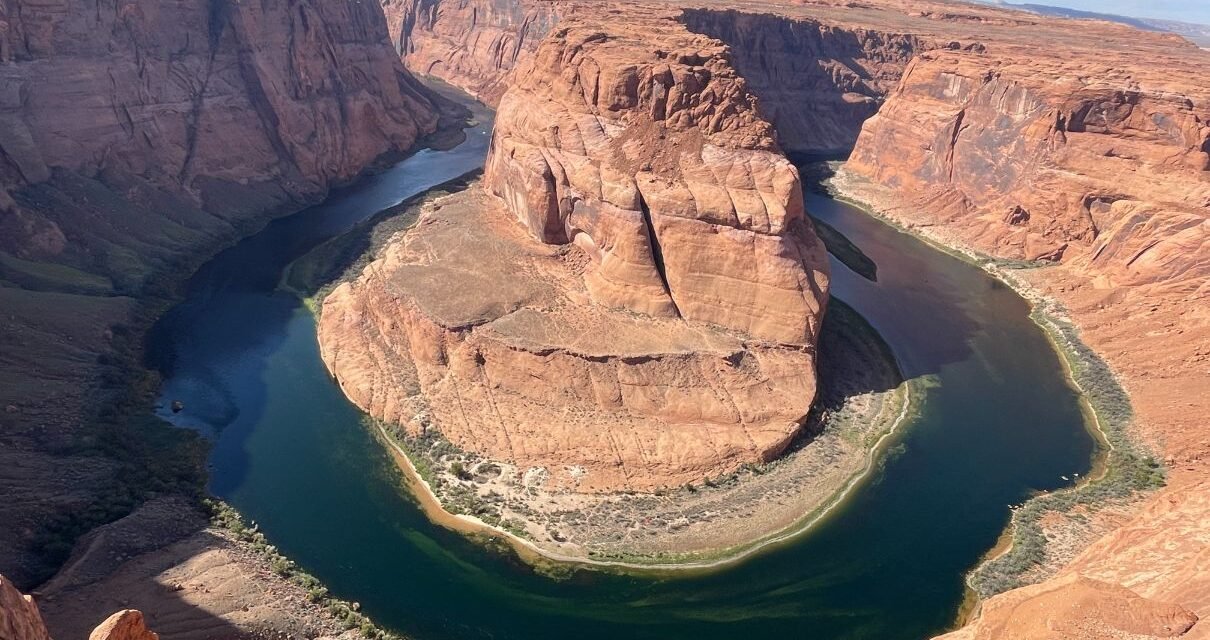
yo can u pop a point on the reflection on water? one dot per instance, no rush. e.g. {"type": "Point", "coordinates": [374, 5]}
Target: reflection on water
{"type": "Point", "coordinates": [997, 423]}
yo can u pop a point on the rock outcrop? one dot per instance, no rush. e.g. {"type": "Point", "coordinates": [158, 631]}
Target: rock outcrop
{"type": "Point", "coordinates": [645, 149]}
{"type": "Point", "coordinates": [1078, 144]}
{"type": "Point", "coordinates": [498, 346]}
{"type": "Point", "coordinates": [1074, 608]}
{"type": "Point", "coordinates": [1144, 580]}
{"type": "Point", "coordinates": [1083, 146]}
{"type": "Point", "coordinates": [20, 620]}
{"type": "Point", "coordinates": [123, 625]}
{"type": "Point", "coordinates": [817, 81]}
{"type": "Point", "coordinates": [638, 308]}
{"type": "Point", "coordinates": [1098, 160]}
{"type": "Point", "coordinates": [194, 98]}
{"type": "Point", "coordinates": [306, 92]}
{"type": "Point", "coordinates": [19, 616]}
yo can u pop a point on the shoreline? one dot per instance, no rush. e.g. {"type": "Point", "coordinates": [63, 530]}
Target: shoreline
{"type": "Point", "coordinates": [1075, 357]}
{"type": "Point", "coordinates": [881, 412]}
{"type": "Point", "coordinates": [138, 400]}
{"type": "Point", "coordinates": [528, 550]}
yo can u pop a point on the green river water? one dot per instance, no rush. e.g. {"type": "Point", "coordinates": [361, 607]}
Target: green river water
{"type": "Point", "coordinates": [996, 423]}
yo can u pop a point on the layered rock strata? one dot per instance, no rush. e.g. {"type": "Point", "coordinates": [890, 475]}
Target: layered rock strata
{"type": "Point", "coordinates": [306, 91]}
{"type": "Point", "coordinates": [645, 149]}
{"type": "Point", "coordinates": [638, 306]}
{"type": "Point", "coordinates": [1076, 143]}
{"type": "Point", "coordinates": [817, 81]}
{"type": "Point", "coordinates": [1093, 159]}
{"type": "Point", "coordinates": [1104, 163]}
{"type": "Point", "coordinates": [469, 326]}
{"type": "Point", "coordinates": [1074, 608]}
{"type": "Point", "coordinates": [472, 44]}
{"type": "Point", "coordinates": [135, 137]}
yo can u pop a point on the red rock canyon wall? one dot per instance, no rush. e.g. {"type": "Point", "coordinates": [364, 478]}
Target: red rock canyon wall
{"type": "Point", "coordinates": [472, 44]}
{"type": "Point", "coordinates": [1079, 143]}
{"type": "Point", "coordinates": [136, 136]}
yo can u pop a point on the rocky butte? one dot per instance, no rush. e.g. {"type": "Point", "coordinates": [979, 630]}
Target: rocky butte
{"type": "Point", "coordinates": [634, 302]}
{"type": "Point", "coordinates": [1082, 146]}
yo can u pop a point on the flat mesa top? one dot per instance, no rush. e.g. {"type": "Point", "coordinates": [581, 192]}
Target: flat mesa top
{"type": "Point", "coordinates": [523, 292]}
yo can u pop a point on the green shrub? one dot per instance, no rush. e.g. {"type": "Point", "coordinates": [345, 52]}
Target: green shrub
{"type": "Point", "coordinates": [1129, 469]}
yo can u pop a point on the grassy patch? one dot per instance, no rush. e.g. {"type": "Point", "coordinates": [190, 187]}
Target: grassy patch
{"type": "Point", "coordinates": [446, 469]}
{"type": "Point", "coordinates": [154, 458]}
{"type": "Point", "coordinates": [50, 276]}
{"type": "Point", "coordinates": [1129, 469]}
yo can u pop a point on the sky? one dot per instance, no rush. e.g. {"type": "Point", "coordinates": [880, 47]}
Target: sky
{"type": "Point", "coordinates": [1183, 10]}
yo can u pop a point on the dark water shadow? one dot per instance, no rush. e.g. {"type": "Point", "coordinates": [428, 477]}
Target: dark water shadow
{"type": "Point", "coordinates": [852, 360]}
{"type": "Point", "coordinates": [889, 292]}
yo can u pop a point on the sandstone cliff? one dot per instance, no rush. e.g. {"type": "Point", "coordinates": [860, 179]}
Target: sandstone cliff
{"type": "Point", "coordinates": [1077, 143]}
{"type": "Point", "coordinates": [195, 98]}
{"type": "Point", "coordinates": [817, 81]}
{"type": "Point", "coordinates": [638, 308]}
{"type": "Point", "coordinates": [645, 149]}
{"type": "Point", "coordinates": [1032, 158]}
{"type": "Point", "coordinates": [1089, 152]}
{"type": "Point", "coordinates": [471, 44]}
{"type": "Point", "coordinates": [135, 137]}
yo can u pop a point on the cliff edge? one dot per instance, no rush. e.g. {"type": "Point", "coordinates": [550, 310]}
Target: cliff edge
{"type": "Point", "coordinates": [637, 306]}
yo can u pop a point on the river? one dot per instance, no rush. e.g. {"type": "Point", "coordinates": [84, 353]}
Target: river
{"type": "Point", "coordinates": [996, 422]}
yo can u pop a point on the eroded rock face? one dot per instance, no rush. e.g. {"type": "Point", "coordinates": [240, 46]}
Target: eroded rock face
{"type": "Point", "coordinates": [19, 617]}
{"type": "Point", "coordinates": [472, 44]}
{"type": "Point", "coordinates": [644, 148]}
{"type": "Point", "coordinates": [1100, 165]}
{"type": "Point", "coordinates": [637, 305]}
{"type": "Point", "coordinates": [136, 136]}
{"type": "Point", "coordinates": [499, 346]}
{"type": "Point", "coordinates": [1086, 150]}
{"type": "Point", "coordinates": [195, 95]}
{"type": "Point", "coordinates": [1080, 144]}
{"type": "Point", "coordinates": [817, 81]}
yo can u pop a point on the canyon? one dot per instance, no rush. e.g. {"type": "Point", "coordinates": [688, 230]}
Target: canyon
{"type": "Point", "coordinates": [137, 138]}
{"type": "Point", "coordinates": [1082, 146]}
{"type": "Point", "coordinates": [630, 298]}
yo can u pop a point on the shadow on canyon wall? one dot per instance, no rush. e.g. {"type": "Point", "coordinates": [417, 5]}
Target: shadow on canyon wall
{"type": "Point", "coordinates": [817, 83]}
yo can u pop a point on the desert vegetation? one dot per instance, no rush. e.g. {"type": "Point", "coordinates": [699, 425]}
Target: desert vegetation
{"type": "Point", "coordinates": [1126, 467]}
{"type": "Point", "coordinates": [347, 614]}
